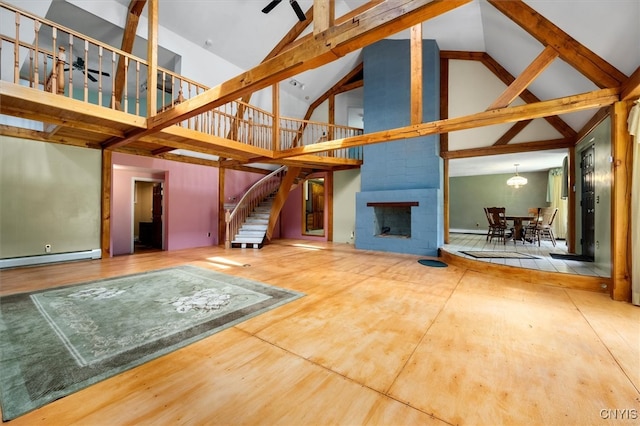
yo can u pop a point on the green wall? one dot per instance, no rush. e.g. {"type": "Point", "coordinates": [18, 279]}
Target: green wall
{"type": "Point", "coordinates": [468, 195]}
{"type": "Point", "coordinates": [49, 194]}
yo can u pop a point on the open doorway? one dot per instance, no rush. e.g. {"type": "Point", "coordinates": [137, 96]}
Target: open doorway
{"type": "Point", "coordinates": [313, 207]}
{"type": "Point", "coordinates": [147, 226]}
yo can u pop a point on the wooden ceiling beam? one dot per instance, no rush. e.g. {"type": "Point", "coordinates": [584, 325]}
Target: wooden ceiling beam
{"type": "Point", "coordinates": [509, 149]}
{"type": "Point", "coordinates": [592, 66]}
{"type": "Point", "coordinates": [128, 38]}
{"type": "Point", "coordinates": [335, 89]}
{"type": "Point", "coordinates": [585, 101]}
{"type": "Point", "coordinates": [499, 71]}
{"type": "Point", "coordinates": [388, 17]}
{"type": "Point", "coordinates": [512, 132]}
{"type": "Point", "coordinates": [523, 81]}
{"type": "Point", "coordinates": [631, 87]}
{"type": "Point", "coordinates": [556, 122]}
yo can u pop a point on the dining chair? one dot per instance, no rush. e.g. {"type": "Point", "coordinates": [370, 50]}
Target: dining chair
{"type": "Point", "coordinates": [531, 230]}
{"type": "Point", "coordinates": [545, 227]}
{"type": "Point", "coordinates": [489, 221]}
{"type": "Point", "coordinates": [541, 227]}
{"type": "Point", "coordinates": [499, 223]}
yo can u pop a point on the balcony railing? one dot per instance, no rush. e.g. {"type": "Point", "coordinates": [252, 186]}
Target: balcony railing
{"type": "Point", "coordinates": [43, 55]}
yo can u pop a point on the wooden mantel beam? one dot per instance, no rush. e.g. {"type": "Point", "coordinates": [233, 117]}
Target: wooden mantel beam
{"type": "Point", "coordinates": [590, 100]}
{"type": "Point", "coordinates": [592, 66]}
{"type": "Point", "coordinates": [388, 17]}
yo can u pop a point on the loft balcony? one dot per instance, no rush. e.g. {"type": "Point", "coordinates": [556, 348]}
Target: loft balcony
{"type": "Point", "coordinates": [64, 87]}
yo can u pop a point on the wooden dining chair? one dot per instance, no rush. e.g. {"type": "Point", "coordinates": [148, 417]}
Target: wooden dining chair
{"type": "Point", "coordinates": [499, 223]}
{"type": "Point", "coordinates": [531, 230]}
{"type": "Point", "coordinates": [545, 227]}
{"type": "Point", "coordinates": [541, 227]}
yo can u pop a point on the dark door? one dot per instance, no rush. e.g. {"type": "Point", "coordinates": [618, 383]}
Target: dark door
{"type": "Point", "coordinates": [156, 214]}
{"type": "Point", "coordinates": [588, 202]}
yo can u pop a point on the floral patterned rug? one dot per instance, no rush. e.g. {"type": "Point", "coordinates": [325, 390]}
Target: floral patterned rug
{"type": "Point", "coordinates": [55, 342]}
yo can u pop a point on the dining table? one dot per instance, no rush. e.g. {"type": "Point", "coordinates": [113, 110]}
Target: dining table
{"type": "Point", "coordinates": [517, 220]}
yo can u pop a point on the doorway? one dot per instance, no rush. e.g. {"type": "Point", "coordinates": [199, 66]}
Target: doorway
{"type": "Point", "coordinates": [588, 201]}
{"type": "Point", "coordinates": [313, 207]}
{"type": "Point", "coordinates": [147, 227]}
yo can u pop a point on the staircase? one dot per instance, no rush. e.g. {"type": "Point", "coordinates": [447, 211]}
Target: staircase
{"type": "Point", "coordinates": [253, 230]}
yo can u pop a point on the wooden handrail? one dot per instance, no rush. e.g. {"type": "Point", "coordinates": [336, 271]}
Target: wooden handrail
{"type": "Point", "coordinates": [258, 191]}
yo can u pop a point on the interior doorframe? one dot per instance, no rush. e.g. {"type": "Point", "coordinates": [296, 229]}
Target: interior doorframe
{"type": "Point", "coordinates": [133, 207]}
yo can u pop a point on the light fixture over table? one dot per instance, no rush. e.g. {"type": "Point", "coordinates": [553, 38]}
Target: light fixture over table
{"type": "Point", "coordinates": [517, 181]}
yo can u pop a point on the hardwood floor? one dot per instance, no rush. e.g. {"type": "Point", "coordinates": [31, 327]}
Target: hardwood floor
{"type": "Point", "coordinates": [378, 339]}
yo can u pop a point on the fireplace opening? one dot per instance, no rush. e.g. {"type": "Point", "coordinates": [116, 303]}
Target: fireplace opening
{"type": "Point", "coordinates": [392, 219]}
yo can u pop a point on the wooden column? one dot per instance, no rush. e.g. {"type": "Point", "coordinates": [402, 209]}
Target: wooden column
{"type": "Point", "coordinates": [222, 226]}
{"type": "Point", "coordinates": [152, 59]}
{"type": "Point", "coordinates": [621, 203]}
{"type": "Point", "coordinates": [416, 74]}
{"type": "Point", "coordinates": [323, 15]}
{"type": "Point", "coordinates": [275, 106]}
{"type": "Point", "coordinates": [328, 191]}
{"type": "Point", "coordinates": [105, 201]}
{"type": "Point", "coordinates": [444, 142]}
{"type": "Point", "coordinates": [571, 203]}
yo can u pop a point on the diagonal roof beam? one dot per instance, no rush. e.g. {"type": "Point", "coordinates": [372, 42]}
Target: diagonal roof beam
{"type": "Point", "coordinates": [527, 76]}
{"type": "Point", "coordinates": [631, 87]}
{"type": "Point", "coordinates": [494, 66]}
{"type": "Point", "coordinates": [512, 132]}
{"type": "Point", "coordinates": [128, 38]}
{"type": "Point", "coordinates": [585, 101]}
{"type": "Point", "coordinates": [389, 17]}
{"type": "Point", "coordinates": [592, 66]}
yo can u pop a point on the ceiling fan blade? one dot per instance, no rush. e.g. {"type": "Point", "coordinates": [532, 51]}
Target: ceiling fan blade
{"type": "Point", "coordinates": [90, 77]}
{"type": "Point", "coordinates": [106, 74]}
{"type": "Point", "coordinates": [298, 10]}
{"type": "Point", "coordinates": [268, 8]}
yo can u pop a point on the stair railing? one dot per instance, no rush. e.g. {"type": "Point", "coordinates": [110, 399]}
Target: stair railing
{"type": "Point", "coordinates": [249, 201]}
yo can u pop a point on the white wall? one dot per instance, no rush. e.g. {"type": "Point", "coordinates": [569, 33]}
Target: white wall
{"type": "Point", "coordinates": [346, 184]}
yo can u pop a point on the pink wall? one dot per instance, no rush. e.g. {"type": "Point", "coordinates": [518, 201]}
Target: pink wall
{"type": "Point", "coordinates": [236, 183]}
{"type": "Point", "coordinates": [190, 200]}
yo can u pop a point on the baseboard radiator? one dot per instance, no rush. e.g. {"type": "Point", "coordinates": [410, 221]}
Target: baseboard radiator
{"type": "Point", "coordinates": [50, 258]}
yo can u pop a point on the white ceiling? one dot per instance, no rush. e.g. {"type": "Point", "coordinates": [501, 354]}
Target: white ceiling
{"type": "Point", "coordinates": [241, 34]}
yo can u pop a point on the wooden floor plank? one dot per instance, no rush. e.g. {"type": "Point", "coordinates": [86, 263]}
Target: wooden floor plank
{"type": "Point", "coordinates": [378, 339]}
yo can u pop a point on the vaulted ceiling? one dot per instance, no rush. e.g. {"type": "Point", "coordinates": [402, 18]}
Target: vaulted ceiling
{"type": "Point", "coordinates": [237, 31]}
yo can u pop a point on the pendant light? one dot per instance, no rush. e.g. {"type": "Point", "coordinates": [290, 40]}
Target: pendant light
{"type": "Point", "coordinates": [517, 181]}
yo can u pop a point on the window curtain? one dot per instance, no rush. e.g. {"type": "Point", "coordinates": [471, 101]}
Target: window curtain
{"type": "Point", "coordinates": [634, 130]}
{"type": "Point", "coordinates": [557, 201]}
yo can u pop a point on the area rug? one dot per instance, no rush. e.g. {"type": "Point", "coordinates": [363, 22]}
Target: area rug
{"type": "Point", "coordinates": [571, 256]}
{"type": "Point", "coordinates": [58, 341]}
{"type": "Point", "coordinates": [498, 255]}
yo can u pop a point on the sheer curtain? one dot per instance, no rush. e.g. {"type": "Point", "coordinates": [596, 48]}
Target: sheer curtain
{"type": "Point", "coordinates": [554, 196]}
{"type": "Point", "coordinates": [634, 130]}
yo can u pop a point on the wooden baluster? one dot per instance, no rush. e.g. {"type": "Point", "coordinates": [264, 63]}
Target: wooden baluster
{"type": "Point", "coordinates": [60, 70]}
{"type": "Point", "coordinates": [16, 52]}
{"type": "Point", "coordinates": [113, 80]}
{"type": "Point", "coordinates": [31, 68]}
{"type": "Point", "coordinates": [137, 87]}
{"type": "Point", "coordinates": [86, 73]}
{"type": "Point", "coordinates": [125, 87]}
{"type": "Point", "coordinates": [36, 71]}
{"type": "Point", "coordinates": [53, 81]}
{"type": "Point", "coordinates": [70, 66]}
{"type": "Point", "coordinates": [100, 75]}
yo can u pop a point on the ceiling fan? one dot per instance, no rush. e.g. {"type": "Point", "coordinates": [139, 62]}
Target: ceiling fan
{"type": "Point", "coordinates": [79, 65]}
{"type": "Point", "coordinates": [294, 4]}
